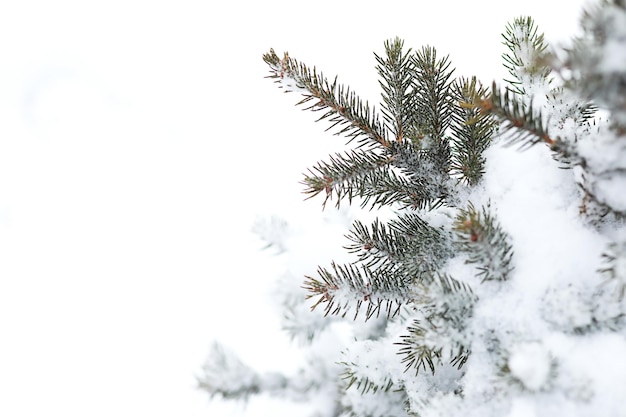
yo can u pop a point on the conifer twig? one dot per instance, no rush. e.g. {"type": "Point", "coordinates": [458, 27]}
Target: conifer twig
{"type": "Point", "coordinates": [523, 122]}
{"type": "Point", "coordinates": [341, 106]}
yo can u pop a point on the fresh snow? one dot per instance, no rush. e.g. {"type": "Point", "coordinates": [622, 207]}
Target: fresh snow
{"type": "Point", "coordinates": [530, 363]}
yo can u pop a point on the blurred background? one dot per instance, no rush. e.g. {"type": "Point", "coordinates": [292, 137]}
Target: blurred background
{"type": "Point", "coordinates": [139, 143]}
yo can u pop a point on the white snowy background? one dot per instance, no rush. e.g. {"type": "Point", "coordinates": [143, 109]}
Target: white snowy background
{"type": "Point", "coordinates": [139, 142]}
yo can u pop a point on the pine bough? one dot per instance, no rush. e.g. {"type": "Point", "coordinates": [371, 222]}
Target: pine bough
{"type": "Point", "coordinates": [418, 295]}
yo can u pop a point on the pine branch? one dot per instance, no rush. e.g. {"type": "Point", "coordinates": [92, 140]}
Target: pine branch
{"type": "Point", "coordinates": [344, 176]}
{"type": "Point", "coordinates": [445, 304]}
{"type": "Point", "coordinates": [525, 62]}
{"type": "Point", "coordinates": [408, 244]}
{"type": "Point", "coordinates": [396, 72]}
{"type": "Point", "coordinates": [347, 287]}
{"type": "Point", "coordinates": [425, 164]}
{"type": "Point", "coordinates": [416, 353]}
{"type": "Point", "coordinates": [486, 242]}
{"type": "Point", "coordinates": [433, 78]}
{"type": "Point", "coordinates": [380, 248]}
{"type": "Point", "coordinates": [566, 110]}
{"type": "Point", "coordinates": [593, 65]}
{"type": "Point", "coordinates": [524, 124]}
{"type": "Point", "coordinates": [385, 188]}
{"type": "Point", "coordinates": [377, 187]}
{"type": "Point", "coordinates": [422, 180]}
{"type": "Point", "coordinates": [365, 385]}
{"type": "Point", "coordinates": [472, 131]}
{"type": "Point", "coordinates": [569, 107]}
{"type": "Point", "coordinates": [225, 375]}
{"type": "Point", "coordinates": [340, 106]}
{"type": "Point", "coordinates": [366, 367]}
{"type": "Point", "coordinates": [404, 173]}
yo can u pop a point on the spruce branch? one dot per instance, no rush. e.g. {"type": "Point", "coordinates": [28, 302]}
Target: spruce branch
{"type": "Point", "coordinates": [472, 131]}
{"type": "Point", "coordinates": [407, 243]}
{"type": "Point", "coordinates": [433, 108]}
{"type": "Point", "coordinates": [420, 355]}
{"type": "Point", "coordinates": [340, 106]}
{"type": "Point", "coordinates": [344, 175]}
{"type": "Point", "coordinates": [365, 384]}
{"type": "Point", "coordinates": [569, 107]}
{"type": "Point", "coordinates": [594, 65]}
{"type": "Point", "coordinates": [376, 187]}
{"type": "Point", "coordinates": [567, 110]}
{"type": "Point", "coordinates": [433, 129]}
{"type": "Point", "coordinates": [403, 173]}
{"type": "Point", "coordinates": [445, 305]}
{"type": "Point", "coordinates": [347, 287]}
{"type": "Point", "coordinates": [425, 164]}
{"type": "Point", "coordinates": [379, 248]}
{"type": "Point", "coordinates": [524, 124]}
{"type": "Point", "coordinates": [396, 73]}
{"type": "Point", "coordinates": [433, 103]}
{"type": "Point", "coordinates": [366, 369]}
{"type": "Point", "coordinates": [226, 376]}
{"type": "Point", "coordinates": [417, 354]}
{"type": "Point", "coordinates": [385, 188]}
{"type": "Point", "coordinates": [487, 244]}
{"type": "Point", "coordinates": [525, 62]}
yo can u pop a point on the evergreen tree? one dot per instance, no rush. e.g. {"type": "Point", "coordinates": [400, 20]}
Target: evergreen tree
{"type": "Point", "coordinates": [448, 306]}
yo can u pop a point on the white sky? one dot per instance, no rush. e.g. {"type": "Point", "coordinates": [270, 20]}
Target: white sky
{"type": "Point", "coordinates": [138, 142]}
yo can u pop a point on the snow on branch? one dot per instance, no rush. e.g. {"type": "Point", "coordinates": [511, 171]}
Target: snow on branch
{"type": "Point", "coordinates": [224, 374]}
{"type": "Point", "coordinates": [522, 122]}
{"type": "Point", "coordinates": [347, 287]}
{"type": "Point", "coordinates": [488, 245]}
{"type": "Point", "coordinates": [407, 243]}
{"type": "Point", "coordinates": [526, 47]}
